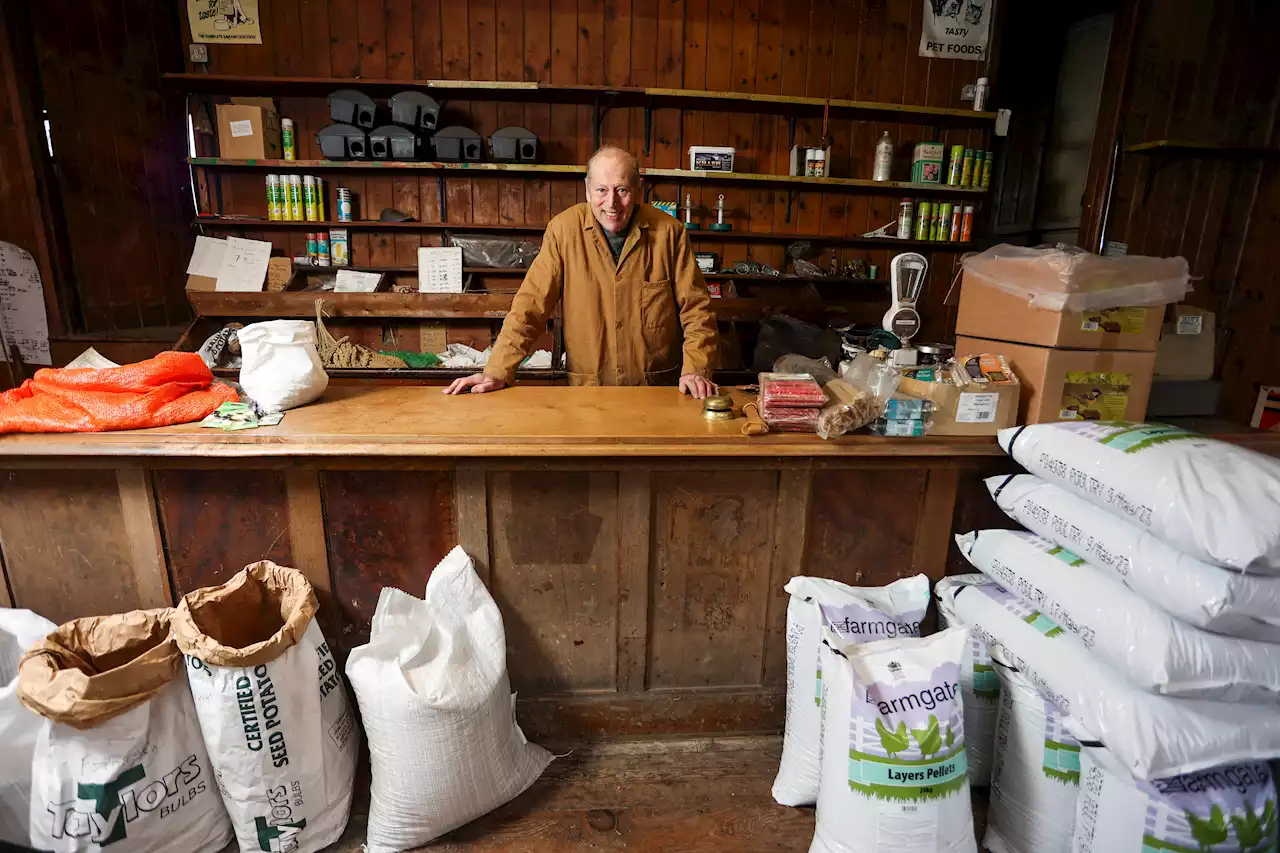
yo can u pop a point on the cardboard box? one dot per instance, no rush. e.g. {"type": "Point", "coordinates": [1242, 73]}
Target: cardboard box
{"type": "Point", "coordinates": [249, 129]}
{"type": "Point", "coordinates": [1186, 348]}
{"type": "Point", "coordinates": [926, 163]}
{"type": "Point", "coordinates": [1072, 384]}
{"type": "Point", "coordinates": [988, 312]}
{"type": "Point", "coordinates": [974, 409]}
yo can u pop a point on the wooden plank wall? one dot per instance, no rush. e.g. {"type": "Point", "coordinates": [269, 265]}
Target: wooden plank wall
{"type": "Point", "coordinates": [818, 48]}
{"type": "Point", "coordinates": [1211, 82]}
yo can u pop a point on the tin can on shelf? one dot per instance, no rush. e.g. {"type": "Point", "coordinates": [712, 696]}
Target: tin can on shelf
{"type": "Point", "coordinates": [944, 221]}
{"type": "Point", "coordinates": [275, 210]}
{"type": "Point", "coordinates": [310, 209]}
{"type": "Point", "coordinates": [966, 224]}
{"type": "Point", "coordinates": [339, 248]}
{"type": "Point", "coordinates": [287, 140]}
{"type": "Point", "coordinates": [957, 216]}
{"type": "Point", "coordinates": [986, 170]}
{"type": "Point", "coordinates": [312, 245]}
{"type": "Point", "coordinates": [322, 248]}
{"type": "Point", "coordinates": [873, 272]}
{"type": "Point", "coordinates": [906, 218]}
{"type": "Point", "coordinates": [956, 166]}
{"type": "Point", "coordinates": [295, 198]}
{"type": "Point", "coordinates": [966, 170]}
{"type": "Point", "coordinates": [344, 204]}
{"type": "Point", "coordinates": [923, 211]}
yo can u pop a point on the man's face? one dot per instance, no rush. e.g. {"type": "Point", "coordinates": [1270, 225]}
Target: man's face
{"type": "Point", "coordinates": [612, 192]}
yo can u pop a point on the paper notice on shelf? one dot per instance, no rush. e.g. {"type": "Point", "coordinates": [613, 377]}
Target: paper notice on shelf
{"type": "Point", "coordinates": [350, 281]}
{"type": "Point", "coordinates": [91, 358]}
{"type": "Point", "coordinates": [244, 265]}
{"type": "Point", "coordinates": [977, 408]}
{"type": "Point", "coordinates": [23, 322]}
{"type": "Point", "coordinates": [440, 269]}
{"type": "Point", "coordinates": [206, 258]}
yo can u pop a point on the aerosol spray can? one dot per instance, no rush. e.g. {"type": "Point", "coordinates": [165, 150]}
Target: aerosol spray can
{"type": "Point", "coordinates": [322, 248]}
{"type": "Point", "coordinates": [320, 199]}
{"type": "Point", "coordinates": [275, 210]}
{"type": "Point", "coordinates": [286, 139]}
{"type": "Point", "coordinates": [884, 158]}
{"type": "Point", "coordinates": [956, 216]}
{"type": "Point", "coordinates": [956, 165]}
{"type": "Point", "coordinates": [312, 245]}
{"type": "Point", "coordinates": [981, 92]}
{"type": "Point", "coordinates": [924, 211]}
{"type": "Point", "coordinates": [295, 198]}
{"type": "Point", "coordinates": [344, 204]}
{"type": "Point", "coordinates": [906, 218]}
{"type": "Point", "coordinates": [986, 170]}
{"type": "Point", "coordinates": [966, 171]}
{"type": "Point", "coordinates": [309, 198]}
{"type": "Point", "coordinates": [944, 221]}
{"type": "Point", "coordinates": [339, 248]}
{"type": "Point", "coordinates": [966, 224]}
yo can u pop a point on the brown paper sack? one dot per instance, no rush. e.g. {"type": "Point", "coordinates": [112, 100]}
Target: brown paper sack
{"type": "Point", "coordinates": [90, 670]}
{"type": "Point", "coordinates": [251, 619]}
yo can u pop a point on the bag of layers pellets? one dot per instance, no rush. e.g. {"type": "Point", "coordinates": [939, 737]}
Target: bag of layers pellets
{"type": "Point", "coordinates": [1210, 597]}
{"type": "Point", "coordinates": [19, 727]}
{"type": "Point", "coordinates": [857, 614]}
{"type": "Point", "coordinates": [980, 689]}
{"type": "Point", "coordinates": [119, 763]}
{"type": "Point", "coordinates": [893, 754]}
{"type": "Point", "coordinates": [444, 745]}
{"type": "Point", "coordinates": [1141, 641]}
{"type": "Point", "coordinates": [271, 703]}
{"type": "Point", "coordinates": [1212, 500]}
{"type": "Point", "coordinates": [1036, 775]}
{"type": "Point", "coordinates": [1227, 809]}
{"type": "Point", "coordinates": [1153, 736]}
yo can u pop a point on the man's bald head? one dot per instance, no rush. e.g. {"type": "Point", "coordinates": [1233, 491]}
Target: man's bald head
{"type": "Point", "coordinates": [611, 155]}
{"type": "Point", "coordinates": [613, 187]}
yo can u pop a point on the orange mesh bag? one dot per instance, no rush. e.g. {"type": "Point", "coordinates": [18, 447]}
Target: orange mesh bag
{"type": "Point", "coordinates": [172, 388]}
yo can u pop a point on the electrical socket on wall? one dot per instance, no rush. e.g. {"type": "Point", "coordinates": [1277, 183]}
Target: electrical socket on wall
{"type": "Point", "coordinates": [199, 53]}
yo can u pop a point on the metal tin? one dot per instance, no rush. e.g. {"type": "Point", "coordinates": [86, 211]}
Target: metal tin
{"type": "Point", "coordinates": [986, 170]}
{"type": "Point", "coordinates": [312, 247]}
{"type": "Point", "coordinates": [923, 211]}
{"type": "Point", "coordinates": [944, 221]}
{"type": "Point", "coordinates": [310, 210]}
{"type": "Point", "coordinates": [873, 272]}
{"type": "Point", "coordinates": [934, 353]}
{"type": "Point", "coordinates": [275, 210]}
{"type": "Point", "coordinates": [906, 218]}
{"type": "Point", "coordinates": [322, 248]}
{"type": "Point", "coordinates": [286, 138]}
{"type": "Point", "coordinates": [966, 224]}
{"type": "Point", "coordinates": [966, 172]}
{"type": "Point", "coordinates": [344, 204]}
{"type": "Point", "coordinates": [956, 216]}
{"type": "Point", "coordinates": [295, 198]}
{"type": "Point", "coordinates": [339, 247]}
{"type": "Point", "coordinates": [956, 166]}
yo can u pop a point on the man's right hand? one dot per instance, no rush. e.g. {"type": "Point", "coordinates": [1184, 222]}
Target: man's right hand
{"type": "Point", "coordinates": [478, 383]}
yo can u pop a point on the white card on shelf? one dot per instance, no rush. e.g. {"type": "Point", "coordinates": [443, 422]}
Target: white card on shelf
{"type": "Point", "coordinates": [440, 269]}
{"type": "Point", "coordinates": [244, 266]}
{"type": "Point", "coordinates": [352, 281]}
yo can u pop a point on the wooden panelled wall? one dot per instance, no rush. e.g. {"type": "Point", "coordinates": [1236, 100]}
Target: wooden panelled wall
{"type": "Point", "coordinates": [819, 48]}
{"type": "Point", "coordinates": [1205, 72]}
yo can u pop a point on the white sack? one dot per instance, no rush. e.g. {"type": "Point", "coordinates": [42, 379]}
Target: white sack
{"type": "Point", "coordinates": [1216, 599]}
{"type": "Point", "coordinates": [901, 783]}
{"type": "Point", "coordinates": [1036, 775]}
{"type": "Point", "coordinates": [980, 689]}
{"type": "Point", "coordinates": [1215, 501]}
{"type": "Point", "coordinates": [444, 746]}
{"type": "Point", "coordinates": [280, 366]}
{"type": "Point", "coordinates": [1229, 809]}
{"type": "Point", "coordinates": [1154, 736]}
{"type": "Point", "coordinates": [1148, 646]}
{"type": "Point", "coordinates": [857, 614]}
{"type": "Point", "coordinates": [19, 727]}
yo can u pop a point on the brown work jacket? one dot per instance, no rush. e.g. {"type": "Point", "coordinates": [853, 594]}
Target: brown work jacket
{"type": "Point", "coordinates": [623, 321]}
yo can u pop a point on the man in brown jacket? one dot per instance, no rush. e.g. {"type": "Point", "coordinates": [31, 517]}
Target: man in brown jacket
{"type": "Point", "coordinates": [629, 284]}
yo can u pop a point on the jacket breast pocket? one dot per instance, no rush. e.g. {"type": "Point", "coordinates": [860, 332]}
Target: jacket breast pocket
{"type": "Point", "coordinates": [658, 305]}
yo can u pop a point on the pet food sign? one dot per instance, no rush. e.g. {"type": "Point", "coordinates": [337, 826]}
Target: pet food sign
{"type": "Point", "coordinates": [224, 21]}
{"type": "Point", "coordinates": [956, 29]}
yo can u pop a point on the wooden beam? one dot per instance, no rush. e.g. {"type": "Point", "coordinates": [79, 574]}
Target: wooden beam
{"type": "Point", "coordinates": [142, 528]}
{"type": "Point", "coordinates": [306, 530]}
{"type": "Point", "coordinates": [634, 516]}
{"type": "Point", "coordinates": [933, 533]}
{"type": "Point", "coordinates": [791, 530]}
{"type": "Point", "coordinates": [471, 509]}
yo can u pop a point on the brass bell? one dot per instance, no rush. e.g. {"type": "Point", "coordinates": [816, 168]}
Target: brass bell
{"type": "Point", "coordinates": [718, 407]}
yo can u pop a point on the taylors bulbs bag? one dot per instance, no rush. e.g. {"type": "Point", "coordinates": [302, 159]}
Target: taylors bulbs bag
{"type": "Point", "coordinates": [893, 754]}
{"type": "Point", "coordinates": [1141, 641]}
{"type": "Point", "coordinates": [857, 614]}
{"type": "Point", "coordinates": [980, 688]}
{"type": "Point", "coordinates": [1216, 599]}
{"type": "Point", "coordinates": [1229, 809]}
{"type": "Point", "coordinates": [1154, 736]}
{"type": "Point", "coordinates": [280, 366]}
{"type": "Point", "coordinates": [444, 745]}
{"type": "Point", "coordinates": [119, 764]}
{"type": "Point", "coordinates": [1036, 775]}
{"type": "Point", "coordinates": [19, 727]}
{"type": "Point", "coordinates": [270, 700]}
{"type": "Point", "coordinates": [1215, 501]}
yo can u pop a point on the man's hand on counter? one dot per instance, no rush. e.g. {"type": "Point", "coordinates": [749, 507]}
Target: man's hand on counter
{"type": "Point", "coordinates": [697, 387]}
{"type": "Point", "coordinates": [477, 383]}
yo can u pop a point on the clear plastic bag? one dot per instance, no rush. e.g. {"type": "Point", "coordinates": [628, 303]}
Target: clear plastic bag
{"type": "Point", "coordinates": [481, 251]}
{"type": "Point", "coordinates": [859, 396]}
{"type": "Point", "coordinates": [1067, 278]}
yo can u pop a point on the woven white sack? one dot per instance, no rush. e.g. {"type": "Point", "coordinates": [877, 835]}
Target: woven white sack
{"type": "Point", "coordinates": [439, 715]}
{"type": "Point", "coordinates": [980, 689]}
{"type": "Point", "coordinates": [19, 727]}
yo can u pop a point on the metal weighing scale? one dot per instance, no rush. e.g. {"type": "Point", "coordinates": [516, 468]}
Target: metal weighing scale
{"type": "Point", "coordinates": [907, 273]}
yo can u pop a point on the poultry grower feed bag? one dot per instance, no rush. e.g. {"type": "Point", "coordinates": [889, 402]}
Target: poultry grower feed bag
{"type": "Point", "coordinates": [859, 614]}
{"type": "Point", "coordinates": [19, 727]}
{"type": "Point", "coordinates": [1152, 736]}
{"type": "Point", "coordinates": [1036, 775]}
{"type": "Point", "coordinates": [900, 784]}
{"type": "Point", "coordinates": [980, 689]}
{"type": "Point", "coordinates": [1148, 646]}
{"type": "Point", "coordinates": [1219, 600]}
{"type": "Point", "coordinates": [1215, 501]}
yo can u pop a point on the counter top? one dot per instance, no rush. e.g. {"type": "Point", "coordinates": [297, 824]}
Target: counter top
{"type": "Point", "coordinates": [402, 421]}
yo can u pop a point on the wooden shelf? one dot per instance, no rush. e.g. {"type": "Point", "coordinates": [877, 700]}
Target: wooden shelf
{"type": "Point", "coordinates": [1186, 148]}
{"type": "Point", "coordinates": [392, 165]}
{"type": "Point", "coordinates": [521, 271]}
{"type": "Point", "coordinates": [617, 96]}
{"type": "Point", "coordinates": [256, 223]}
{"type": "Point", "coordinates": [806, 183]}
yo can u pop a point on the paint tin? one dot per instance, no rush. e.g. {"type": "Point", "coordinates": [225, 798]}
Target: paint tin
{"type": "Point", "coordinates": [295, 198]}
{"type": "Point", "coordinates": [923, 211]}
{"type": "Point", "coordinates": [286, 138]}
{"type": "Point", "coordinates": [906, 218]}
{"type": "Point", "coordinates": [956, 166]}
{"type": "Point", "coordinates": [986, 170]}
{"type": "Point", "coordinates": [339, 248]}
{"type": "Point", "coordinates": [312, 247]}
{"type": "Point", "coordinates": [275, 210]}
{"type": "Point", "coordinates": [344, 204]}
{"type": "Point", "coordinates": [309, 206]}
{"type": "Point", "coordinates": [957, 216]}
{"type": "Point", "coordinates": [322, 248]}
{"type": "Point", "coordinates": [966, 224]}
{"type": "Point", "coordinates": [966, 171]}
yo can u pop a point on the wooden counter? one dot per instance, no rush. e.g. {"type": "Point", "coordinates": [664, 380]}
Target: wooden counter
{"type": "Point", "coordinates": [637, 551]}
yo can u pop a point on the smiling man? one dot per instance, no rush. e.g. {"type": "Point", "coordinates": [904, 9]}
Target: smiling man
{"type": "Point", "coordinates": [636, 309]}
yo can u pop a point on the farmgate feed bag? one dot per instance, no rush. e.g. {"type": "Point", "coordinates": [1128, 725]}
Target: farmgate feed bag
{"type": "Point", "coordinates": [980, 689]}
{"type": "Point", "coordinates": [19, 727]}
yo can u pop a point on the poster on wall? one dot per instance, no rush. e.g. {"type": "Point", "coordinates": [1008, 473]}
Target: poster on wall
{"type": "Point", "coordinates": [224, 21]}
{"type": "Point", "coordinates": [956, 29]}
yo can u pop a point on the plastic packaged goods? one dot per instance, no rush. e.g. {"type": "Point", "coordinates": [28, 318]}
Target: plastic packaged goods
{"type": "Point", "coordinates": [790, 390]}
{"type": "Point", "coordinates": [1036, 775]}
{"type": "Point", "coordinates": [865, 387]}
{"type": "Point", "coordinates": [1067, 278]}
{"type": "Point", "coordinates": [1228, 809]}
{"type": "Point", "coordinates": [19, 727]}
{"type": "Point", "coordinates": [1152, 736]}
{"type": "Point", "coordinates": [857, 614]}
{"type": "Point", "coordinates": [898, 427]}
{"type": "Point", "coordinates": [790, 419]}
{"type": "Point", "coordinates": [1148, 646]}
{"type": "Point", "coordinates": [1215, 599]}
{"type": "Point", "coordinates": [481, 251]}
{"type": "Point", "coordinates": [1215, 501]}
{"type": "Point", "coordinates": [980, 690]}
{"type": "Point", "coordinates": [893, 757]}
